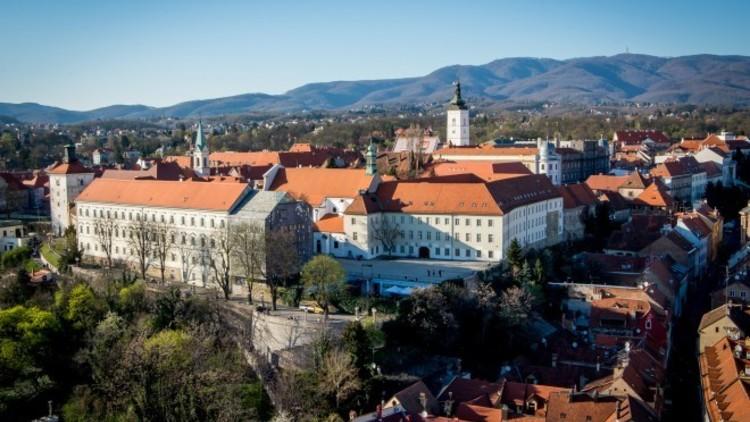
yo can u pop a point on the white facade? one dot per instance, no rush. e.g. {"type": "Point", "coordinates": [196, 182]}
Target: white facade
{"type": "Point", "coordinates": [548, 162]}
{"type": "Point", "coordinates": [456, 236]}
{"type": "Point", "coordinates": [64, 188]}
{"type": "Point", "coordinates": [11, 235]}
{"type": "Point", "coordinates": [458, 128]}
{"type": "Point", "coordinates": [194, 233]}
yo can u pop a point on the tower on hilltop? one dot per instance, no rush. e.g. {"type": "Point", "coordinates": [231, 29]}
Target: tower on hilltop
{"type": "Point", "coordinates": [457, 131]}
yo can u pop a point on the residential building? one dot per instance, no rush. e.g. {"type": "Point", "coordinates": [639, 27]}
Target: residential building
{"type": "Point", "coordinates": [731, 321]}
{"type": "Point", "coordinates": [67, 179]}
{"type": "Point", "coordinates": [579, 203]}
{"type": "Point", "coordinates": [11, 235]}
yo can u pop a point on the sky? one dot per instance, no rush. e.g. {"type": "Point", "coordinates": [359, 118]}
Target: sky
{"type": "Point", "coordinates": [82, 55]}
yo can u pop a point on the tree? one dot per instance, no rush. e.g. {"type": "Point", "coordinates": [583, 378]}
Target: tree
{"type": "Point", "coordinates": [324, 277]}
{"type": "Point", "coordinates": [71, 254]}
{"type": "Point", "coordinates": [338, 375]}
{"type": "Point", "coordinates": [104, 229]}
{"type": "Point", "coordinates": [163, 242]}
{"type": "Point", "coordinates": [282, 260]}
{"type": "Point", "coordinates": [515, 255]}
{"type": "Point", "coordinates": [539, 272]}
{"type": "Point", "coordinates": [251, 252]}
{"type": "Point", "coordinates": [387, 232]}
{"type": "Point", "coordinates": [221, 254]}
{"type": "Point", "coordinates": [139, 239]}
{"type": "Point", "coordinates": [356, 342]}
{"type": "Point", "coordinates": [515, 305]}
{"type": "Point", "coordinates": [187, 255]}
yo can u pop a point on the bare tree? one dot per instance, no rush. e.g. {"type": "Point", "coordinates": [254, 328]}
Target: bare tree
{"type": "Point", "coordinates": [187, 254]}
{"type": "Point", "coordinates": [221, 253]}
{"type": "Point", "coordinates": [338, 375]}
{"type": "Point", "coordinates": [163, 239]}
{"type": "Point", "coordinates": [249, 239]}
{"type": "Point", "coordinates": [282, 260]}
{"type": "Point", "coordinates": [105, 230]}
{"type": "Point", "coordinates": [387, 233]}
{"type": "Point", "coordinates": [139, 239]}
{"type": "Point", "coordinates": [515, 305]}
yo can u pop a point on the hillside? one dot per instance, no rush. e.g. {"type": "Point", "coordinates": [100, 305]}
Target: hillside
{"type": "Point", "coordinates": [624, 78]}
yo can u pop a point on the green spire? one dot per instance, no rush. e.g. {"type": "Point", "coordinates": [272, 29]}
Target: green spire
{"type": "Point", "coordinates": [200, 140]}
{"type": "Point", "coordinates": [371, 165]}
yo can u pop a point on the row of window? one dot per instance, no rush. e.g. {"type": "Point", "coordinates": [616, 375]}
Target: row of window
{"type": "Point", "coordinates": [130, 216]}
{"type": "Point", "coordinates": [402, 219]}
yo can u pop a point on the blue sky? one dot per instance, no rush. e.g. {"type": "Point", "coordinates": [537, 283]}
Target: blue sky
{"type": "Point", "coordinates": [88, 54]}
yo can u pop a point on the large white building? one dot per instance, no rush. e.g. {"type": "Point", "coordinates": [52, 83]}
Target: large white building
{"type": "Point", "coordinates": [67, 180]}
{"type": "Point", "coordinates": [195, 214]}
{"type": "Point", "coordinates": [450, 220]}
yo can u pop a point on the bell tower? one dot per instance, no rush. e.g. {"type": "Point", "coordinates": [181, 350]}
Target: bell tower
{"type": "Point", "coordinates": [200, 153]}
{"type": "Point", "coordinates": [457, 131]}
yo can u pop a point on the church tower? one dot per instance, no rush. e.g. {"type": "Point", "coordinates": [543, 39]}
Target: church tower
{"type": "Point", "coordinates": [458, 120]}
{"type": "Point", "coordinates": [200, 153]}
{"type": "Point", "coordinates": [371, 157]}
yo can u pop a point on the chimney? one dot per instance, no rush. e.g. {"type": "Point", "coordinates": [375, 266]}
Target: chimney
{"type": "Point", "coordinates": [423, 403]}
{"type": "Point", "coordinates": [448, 405]}
{"type": "Point", "coordinates": [504, 412]}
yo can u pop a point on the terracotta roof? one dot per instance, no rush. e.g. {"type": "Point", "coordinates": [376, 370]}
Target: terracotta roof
{"type": "Point", "coordinates": [638, 136]}
{"type": "Point", "coordinates": [159, 171]}
{"type": "Point", "coordinates": [409, 399]}
{"type": "Point", "coordinates": [165, 194]}
{"type": "Point", "coordinates": [518, 393]}
{"type": "Point", "coordinates": [635, 180]}
{"type": "Point", "coordinates": [678, 167]}
{"type": "Point", "coordinates": [486, 151]}
{"type": "Point", "coordinates": [615, 200]}
{"type": "Point", "coordinates": [182, 160]}
{"type": "Point", "coordinates": [474, 413]}
{"type": "Point", "coordinates": [655, 196]}
{"type": "Point", "coordinates": [712, 316]}
{"type": "Point", "coordinates": [577, 195]}
{"type": "Point", "coordinates": [464, 390]}
{"type": "Point", "coordinates": [313, 185]}
{"type": "Point", "coordinates": [725, 393]}
{"type": "Point", "coordinates": [569, 407]}
{"type": "Point", "coordinates": [603, 182]}
{"type": "Point", "coordinates": [487, 170]}
{"type": "Point", "coordinates": [68, 168]}
{"type": "Point", "coordinates": [427, 196]}
{"type": "Point", "coordinates": [696, 225]}
{"type": "Point", "coordinates": [331, 223]}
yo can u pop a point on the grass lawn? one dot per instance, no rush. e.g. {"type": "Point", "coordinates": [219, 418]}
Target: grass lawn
{"type": "Point", "coordinates": [50, 255]}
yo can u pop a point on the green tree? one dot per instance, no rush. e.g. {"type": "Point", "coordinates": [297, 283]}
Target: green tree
{"type": "Point", "coordinates": [80, 306]}
{"type": "Point", "coordinates": [324, 277]}
{"type": "Point", "coordinates": [539, 272]}
{"type": "Point", "coordinates": [514, 255]}
{"type": "Point", "coordinates": [356, 342]}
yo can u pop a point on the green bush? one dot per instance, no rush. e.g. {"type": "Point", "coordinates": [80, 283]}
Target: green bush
{"type": "Point", "coordinates": [16, 257]}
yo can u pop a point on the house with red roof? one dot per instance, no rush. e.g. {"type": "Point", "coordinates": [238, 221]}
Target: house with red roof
{"type": "Point", "coordinates": [67, 179]}
{"type": "Point", "coordinates": [579, 203]}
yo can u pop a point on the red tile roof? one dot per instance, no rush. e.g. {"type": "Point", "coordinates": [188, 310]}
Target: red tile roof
{"type": "Point", "coordinates": [486, 151]}
{"type": "Point", "coordinates": [655, 195]}
{"type": "Point", "coordinates": [165, 194]}
{"type": "Point", "coordinates": [577, 195]}
{"type": "Point", "coordinates": [435, 196]}
{"type": "Point", "coordinates": [313, 185]}
{"type": "Point", "coordinates": [603, 182]}
{"type": "Point", "coordinates": [487, 170]}
{"type": "Point", "coordinates": [68, 168]}
{"type": "Point", "coordinates": [331, 223]}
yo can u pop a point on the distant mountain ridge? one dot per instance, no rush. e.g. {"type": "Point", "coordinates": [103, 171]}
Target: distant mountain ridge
{"type": "Point", "coordinates": [624, 78]}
